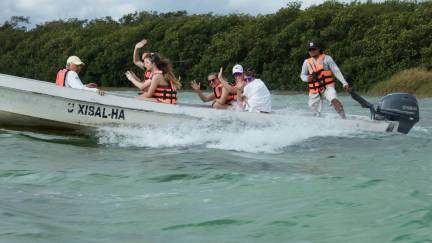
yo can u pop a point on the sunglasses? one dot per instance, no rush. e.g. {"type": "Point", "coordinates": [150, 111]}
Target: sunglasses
{"type": "Point", "coordinates": [212, 80]}
{"type": "Point", "coordinates": [313, 49]}
{"type": "Point", "coordinates": [237, 74]}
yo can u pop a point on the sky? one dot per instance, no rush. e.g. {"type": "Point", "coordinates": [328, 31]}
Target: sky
{"type": "Point", "coordinates": [41, 11]}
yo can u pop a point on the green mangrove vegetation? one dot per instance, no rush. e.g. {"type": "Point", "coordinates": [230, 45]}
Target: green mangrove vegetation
{"type": "Point", "coordinates": [371, 42]}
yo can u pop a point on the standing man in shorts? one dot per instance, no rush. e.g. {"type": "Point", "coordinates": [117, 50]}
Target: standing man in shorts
{"type": "Point", "coordinates": [319, 71]}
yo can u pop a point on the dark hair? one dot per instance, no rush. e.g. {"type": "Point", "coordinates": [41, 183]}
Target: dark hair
{"type": "Point", "coordinates": [165, 66]}
{"type": "Point", "coordinates": [213, 73]}
{"type": "Point", "coordinates": [146, 55]}
{"type": "Point", "coordinates": [250, 72]}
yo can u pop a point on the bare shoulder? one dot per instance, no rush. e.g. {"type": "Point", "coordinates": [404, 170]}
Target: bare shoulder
{"type": "Point", "coordinates": [158, 78]}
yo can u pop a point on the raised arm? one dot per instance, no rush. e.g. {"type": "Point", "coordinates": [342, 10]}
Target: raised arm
{"type": "Point", "coordinates": [136, 59]}
{"type": "Point", "coordinates": [224, 83]}
{"type": "Point", "coordinates": [197, 88]}
{"type": "Point", "coordinates": [136, 81]}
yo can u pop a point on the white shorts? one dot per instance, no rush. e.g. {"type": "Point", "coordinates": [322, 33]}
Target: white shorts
{"type": "Point", "coordinates": [316, 99]}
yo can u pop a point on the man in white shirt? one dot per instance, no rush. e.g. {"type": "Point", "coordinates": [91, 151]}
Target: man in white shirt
{"type": "Point", "coordinates": [69, 77]}
{"type": "Point", "coordinates": [251, 91]}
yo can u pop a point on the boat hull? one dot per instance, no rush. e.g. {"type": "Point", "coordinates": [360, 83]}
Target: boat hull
{"type": "Point", "coordinates": [14, 120]}
{"type": "Point", "coordinates": [28, 108]}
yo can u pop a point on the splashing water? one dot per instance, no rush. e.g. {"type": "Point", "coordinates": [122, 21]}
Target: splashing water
{"type": "Point", "coordinates": [235, 135]}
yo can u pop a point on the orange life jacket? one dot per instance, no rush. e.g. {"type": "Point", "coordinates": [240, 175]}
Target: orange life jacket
{"type": "Point", "coordinates": [147, 75]}
{"type": "Point", "coordinates": [218, 92]}
{"type": "Point", "coordinates": [321, 77]}
{"type": "Point", "coordinates": [61, 77]}
{"type": "Point", "coordinates": [166, 93]}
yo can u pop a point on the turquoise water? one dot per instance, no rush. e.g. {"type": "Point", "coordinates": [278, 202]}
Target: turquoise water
{"type": "Point", "coordinates": [206, 183]}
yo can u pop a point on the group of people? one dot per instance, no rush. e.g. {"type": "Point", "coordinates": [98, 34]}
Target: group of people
{"type": "Point", "coordinates": [247, 93]}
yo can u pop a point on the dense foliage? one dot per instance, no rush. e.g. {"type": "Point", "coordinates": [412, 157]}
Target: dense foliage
{"type": "Point", "coordinates": [369, 41]}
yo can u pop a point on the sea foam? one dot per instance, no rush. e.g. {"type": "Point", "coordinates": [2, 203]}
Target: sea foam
{"type": "Point", "coordinates": [272, 137]}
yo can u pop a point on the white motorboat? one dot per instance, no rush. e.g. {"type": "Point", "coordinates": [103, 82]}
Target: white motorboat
{"type": "Point", "coordinates": [32, 103]}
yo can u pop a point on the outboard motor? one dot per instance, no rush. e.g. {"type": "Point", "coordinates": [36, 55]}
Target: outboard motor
{"type": "Point", "coordinates": [401, 107]}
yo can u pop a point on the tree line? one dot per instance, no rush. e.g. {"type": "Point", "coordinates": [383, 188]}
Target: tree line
{"type": "Point", "coordinates": [369, 41]}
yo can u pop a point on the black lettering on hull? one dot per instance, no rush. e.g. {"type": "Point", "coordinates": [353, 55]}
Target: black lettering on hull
{"type": "Point", "coordinates": [95, 111]}
{"type": "Point", "coordinates": [103, 113]}
{"type": "Point", "coordinates": [81, 109]}
{"type": "Point", "coordinates": [121, 115]}
{"type": "Point", "coordinates": [71, 107]}
{"type": "Point", "coordinates": [98, 112]}
{"type": "Point", "coordinates": [91, 111]}
{"type": "Point", "coordinates": [114, 113]}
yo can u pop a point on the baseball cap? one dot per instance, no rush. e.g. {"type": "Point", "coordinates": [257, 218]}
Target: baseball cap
{"type": "Point", "coordinates": [313, 45]}
{"type": "Point", "coordinates": [75, 60]}
{"type": "Point", "coordinates": [237, 69]}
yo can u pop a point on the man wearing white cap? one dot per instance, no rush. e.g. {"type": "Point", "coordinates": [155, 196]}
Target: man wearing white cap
{"type": "Point", "coordinates": [252, 93]}
{"type": "Point", "coordinates": [68, 77]}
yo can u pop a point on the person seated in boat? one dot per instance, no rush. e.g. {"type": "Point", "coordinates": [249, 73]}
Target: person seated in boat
{"type": "Point", "coordinates": [253, 94]}
{"type": "Point", "coordinates": [255, 98]}
{"type": "Point", "coordinates": [143, 63]}
{"type": "Point", "coordinates": [68, 76]}
{"type": "Point", "coordinates": [237, 73]}
{"type": "Point", "coordinates": [221, 97]}
{"type": "Point", "coordinates": [163, 85]}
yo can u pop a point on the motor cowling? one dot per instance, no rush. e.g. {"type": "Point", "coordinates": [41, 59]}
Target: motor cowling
{"type": "Point", "coordinates": [400, 107]}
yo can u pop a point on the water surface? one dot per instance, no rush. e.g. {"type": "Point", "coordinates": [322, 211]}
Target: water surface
{"type": "Point", "coordinates": [297, 182]}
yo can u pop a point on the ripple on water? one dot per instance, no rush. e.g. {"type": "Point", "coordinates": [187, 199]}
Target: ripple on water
{"type": "Point", "coordinates": [403, 237]}
{"type": "Point", "coordinates": [76, 141]}
{"type": "Point", "coordinates": [227, 177]}
{"type": "Point", "coordinates": [174, 177]}
{"type": "Point", "coordinates": [16, 173]}
{"type": "Point", "coordinates": [369, 183]}
{"type": "Point", "coordinates": [210, 224]}
{"type": "Point", "coordinates": [32, 177]}
{"type": "Point", "coordinates": [283, 223]}
{"type": "Point", "coordinates": [423, 221]}
{"type": "Point", "coordinates": [108, 176]}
